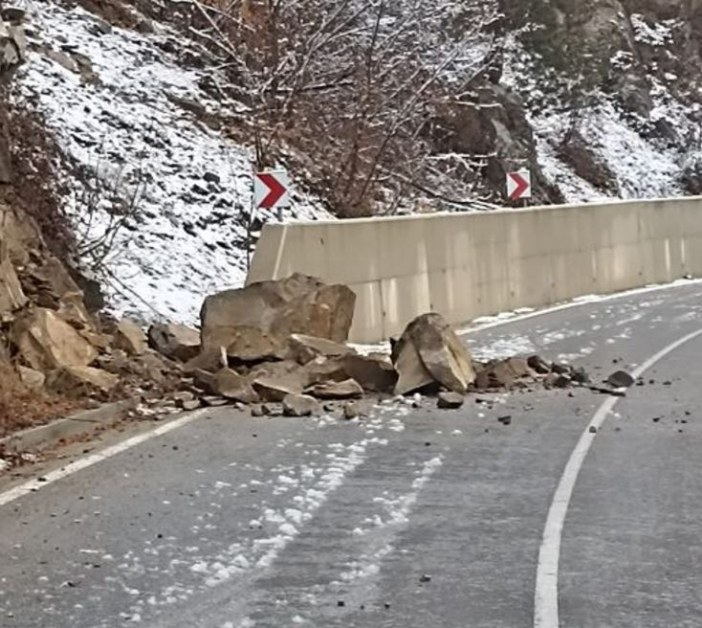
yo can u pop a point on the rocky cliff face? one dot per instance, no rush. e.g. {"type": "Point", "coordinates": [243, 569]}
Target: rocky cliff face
{"type": "Point", "coordinates": [612, 93]}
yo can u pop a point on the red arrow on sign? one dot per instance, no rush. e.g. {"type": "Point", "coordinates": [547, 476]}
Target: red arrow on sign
{"type": "Point", "coordinates": [276, 190]}
{"type": "Point", "coordinates": [519, 185]}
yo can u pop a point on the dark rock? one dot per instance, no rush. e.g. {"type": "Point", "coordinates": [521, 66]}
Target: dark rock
{"type": "Point", "coordinates": [580, 376]}
{"type": "Point", "coordinates": [539, 365]}
{"type": "Point", "coordinates": [620, 379]}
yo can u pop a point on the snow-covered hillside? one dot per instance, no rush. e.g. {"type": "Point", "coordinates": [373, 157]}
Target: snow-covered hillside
{"type": "Point", "coordinates": [159, 173]}
{"type": "Point", "coordinates": [121, 105]}
{"type": "Point", "coordinates": [638, 119]}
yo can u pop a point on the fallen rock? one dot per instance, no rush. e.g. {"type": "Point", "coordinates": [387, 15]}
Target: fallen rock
{"type": "Point", "coordinates": [562, 381]}
{"type": "Point", "coordinates": [213, 401]}
{"type": "Point", "coordinates": [130, 338]}
{"type": "Point", "coordinates": [537, 364]}
{"type": "Point", "coordinates": [229, 384]}
{"type": "Point", "coordinates": [81, 380]}
{"type": "Point", "coordinates": [354, 410]}
{"type": "Point", "coordinates": [189, 406]}
{"type": "Point", "coordinates": [272, 388]}
{"type": "Point", "coordinates": [560, 368]}
{"type": "Point", "coordinates": [211, 361]}
{"type": "Point", "coordinates": [72, 310]}
{"type": "Point", "coordinates": [31, 378]}
{"type": "Point", "coordinates": [412, 374]}
{"type": "Point", "coordinates": [348, 389]}
{"type": "Point", "coordinates": [46, 342]}
{"type": "Point", "coordinates": [502, 374]}
{"type": "Point", "coordinates": [323, 369]}
{"type": "Point", "coordinates": [440, 352]}
{"type": "Point", "coordinates": [277, 309]}
{"type": "Point", "coordinates": [580, 376]}
{"type": "Point", "coordinates": [300, 405]}
{"type": "Point", "coordinates": [304, 348]}
{"type": "Point", "coordinates": [257, 410]}
{"type": "Point", "coordinates": [182, 396]}
{"type": "Point", "coordinates": [250, 344]}
{"type": "Point", "coordinates": [11, 295]}
{"type": "Point", "coordinates": [373, 372]}
{"type": "Point", "coordinates": [450, 400]}
{"type": "Point", "coordinates": [176, 342]}
{"type": "Point", "coordinates": [621, 379]}
{"type": "Point", "coordinates": [273, 409]}
{"type": "Point", "coordinates": [102, 342]}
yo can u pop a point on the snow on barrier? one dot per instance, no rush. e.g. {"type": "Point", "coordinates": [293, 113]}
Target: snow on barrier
{"type": "Point", "coordinates": [470, 265]}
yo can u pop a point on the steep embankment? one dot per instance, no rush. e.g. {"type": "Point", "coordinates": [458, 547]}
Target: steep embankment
{"type": "Point", "coordinates": [158, 195]}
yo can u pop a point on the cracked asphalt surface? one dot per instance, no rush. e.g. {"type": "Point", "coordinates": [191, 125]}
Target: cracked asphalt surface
{"type": "Point", "coordinates": [415, 517]}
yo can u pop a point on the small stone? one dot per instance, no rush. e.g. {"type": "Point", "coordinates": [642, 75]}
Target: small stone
{"type": "Point", "coordinates": [580, 376]}
{"type": "Point", "coordinates": [562, 381]}
{"type": "Point", "coordinates": [592, 429]}
{"type": "Point", "coordinates": [425, 578]}
{"type": "Point", "coordinates": [450, 400]}
{"type": "Point", "coordinates": [352, 410]}
{"type": "Point", "coordinates": [505, 420]}
{"type": "Point", "coordinates": [300, 406]}
{"type": "Point", "coordinates": [193, 404]}
{"type": "Point", "coordinates": [560, 368]}
{"type": "Point", "coordinates": [273, 409]}
{"type": "Point", "coordinates": [655, 419]}
{"type": "Point", "coordinates": [620, 379]}
{"type": "Point", "coordinates": [213, 401]}
{"type": "Point", "coordinates": [341, 603]}
{"type": "Point", "coordinates": [257, 411]}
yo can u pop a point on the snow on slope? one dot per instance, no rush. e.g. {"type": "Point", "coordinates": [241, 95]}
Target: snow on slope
{"type": "Point", "coordinates": [642, 167]}
{"type": "Point", "coordinates": [188, 240]}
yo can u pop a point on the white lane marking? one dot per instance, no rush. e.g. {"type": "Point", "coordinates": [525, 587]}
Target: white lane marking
{"type": "Point", "coordinates": [546, 594]}
{"type": "Point", "coordinates": [32, 486]}
{"type": "Point", "coordinates": [580, 302]}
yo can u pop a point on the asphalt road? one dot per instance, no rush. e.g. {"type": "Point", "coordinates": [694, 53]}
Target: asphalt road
{"type": "Point", "coordinates": [415, 518]}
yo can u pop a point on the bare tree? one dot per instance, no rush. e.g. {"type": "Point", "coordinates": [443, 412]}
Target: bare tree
{"type": "Point", "coordinates": [350, 84]}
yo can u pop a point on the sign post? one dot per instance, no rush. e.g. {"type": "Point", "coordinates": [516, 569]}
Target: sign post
{"type": "Point", "coordinates": [272, 191]}
{"type": "Point", "coordinates": [519, 185]}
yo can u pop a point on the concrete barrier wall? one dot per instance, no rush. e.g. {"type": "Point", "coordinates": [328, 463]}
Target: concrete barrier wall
{"type": "Point", "coordinates": [470, 265]}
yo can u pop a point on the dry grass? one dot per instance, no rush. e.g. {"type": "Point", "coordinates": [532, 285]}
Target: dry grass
{"type": "Point", "coordinates": [21, 408]}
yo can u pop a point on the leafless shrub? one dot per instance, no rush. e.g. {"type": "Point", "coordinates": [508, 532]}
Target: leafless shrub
{"type": "Point", "coordinates": [352, 84]}
{"type": "Point", "coordinates": [106, 206]}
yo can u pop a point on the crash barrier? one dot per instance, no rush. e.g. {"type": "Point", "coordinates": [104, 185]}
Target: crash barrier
{"type": "Point", "coordinates": [474, 264]}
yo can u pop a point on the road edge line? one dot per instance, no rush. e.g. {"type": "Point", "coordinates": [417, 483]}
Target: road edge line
{"type": "Point", "coordinates": [33, 486]}
{"type": "Point", "coordinates": [546, 588]}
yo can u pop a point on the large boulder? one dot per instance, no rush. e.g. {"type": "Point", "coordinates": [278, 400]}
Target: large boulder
{"type": "Point", "coordinates": [429, 352]}
{"type": "Point", "coordinates": [46, 342]}
{"type": "Point", "coordinates": [255, 322]}
{"type": "Point", "coordinates": [176, 342]}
